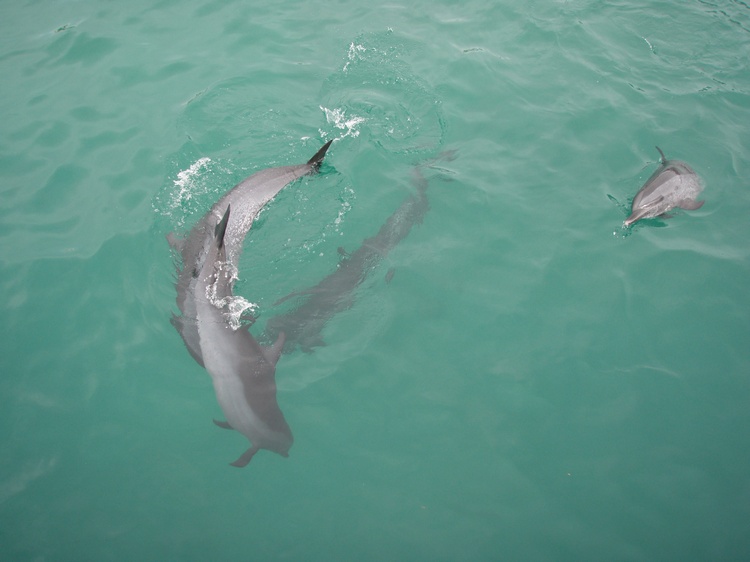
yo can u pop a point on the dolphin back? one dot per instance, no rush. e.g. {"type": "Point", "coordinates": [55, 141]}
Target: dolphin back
{"type": "Point", "coordinates": [304, 323]}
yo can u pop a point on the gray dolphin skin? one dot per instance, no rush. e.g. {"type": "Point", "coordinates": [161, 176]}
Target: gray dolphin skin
{"type": "Point", "coordinates": [303, 325]}
{"type": "Point", "coordinates": [247, 198]}
{"type": "Point", "coordinates": [673, 184]}
{"type": "Point", "coordinates": [242, 371]}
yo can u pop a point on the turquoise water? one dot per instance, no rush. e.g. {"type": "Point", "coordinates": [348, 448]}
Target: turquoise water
{"type": "Point", "coordinates": [533, 383]}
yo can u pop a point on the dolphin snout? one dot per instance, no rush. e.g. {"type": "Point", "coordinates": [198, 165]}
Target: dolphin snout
{"type": "Point", "coordinates": [630, 220]}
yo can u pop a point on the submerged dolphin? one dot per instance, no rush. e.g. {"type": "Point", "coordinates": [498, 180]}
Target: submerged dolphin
{"type": "Point", "coordinates": [302, 326]}
{"type": "Point", "coordinates": [241, 369]}
{"type": "Point", "coordinates": [243, 373]}
{"type": "Point", "coordinates": [673, 184]}
{"type": "Point", "coordinates": [247, 198]}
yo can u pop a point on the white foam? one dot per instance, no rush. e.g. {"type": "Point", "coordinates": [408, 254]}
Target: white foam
{"type": "Point", "coordinates": [233, 307]}
{"type": "Point", "coordinates": [338, 118]}
{"type": "Point", "coordinates": [352, 54]}
{"type": "Point", "coordinates": [184, 181]}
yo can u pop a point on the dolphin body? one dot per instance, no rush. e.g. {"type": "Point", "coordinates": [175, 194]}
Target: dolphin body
{"type": "Point", "coordinates": [242, 371]}
{"type": "Point", "coordinates": [246, 198]}
{"type": "Point", "coordinates": [673, 184]}
{"type": "Point", "coordinates": [303, 325]}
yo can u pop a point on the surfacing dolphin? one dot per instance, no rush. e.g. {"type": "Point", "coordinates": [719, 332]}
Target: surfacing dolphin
{"type": "Point", "coordinates": [246, 198]}
{"type": "Point", "coordinates": [303, 325]}
{"type": "Point", "coordinates": [242, 371]}
{"type": "Point", "coordinates": [673, 184]}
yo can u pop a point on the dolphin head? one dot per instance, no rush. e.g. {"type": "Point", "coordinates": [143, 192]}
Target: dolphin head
{"type": "Point", "coordinates": [673, 184]}
{"type": "Point", "coordinates": [282, 443]}
{"type": "Point", "coordinates": [635, 216]}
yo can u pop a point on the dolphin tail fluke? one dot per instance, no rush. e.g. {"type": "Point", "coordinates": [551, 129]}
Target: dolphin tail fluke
{"type": "Point", "coordinates": [246, 457]}
{"type": "Point", "coordinates": [316, 160]}
{"type": "Point", "coordinates": [223, 424]}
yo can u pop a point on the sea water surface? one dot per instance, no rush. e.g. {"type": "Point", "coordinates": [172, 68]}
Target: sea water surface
{"type": "Point", "coordinates": [519, 379]}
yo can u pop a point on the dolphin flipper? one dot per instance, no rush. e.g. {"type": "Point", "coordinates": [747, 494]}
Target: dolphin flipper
{"type": "Point", "coordinates": [223, 424]}
{"type": "Point", "coordinates": [274, 352]}
{"type": "Point", "coordinates": [246, 457]}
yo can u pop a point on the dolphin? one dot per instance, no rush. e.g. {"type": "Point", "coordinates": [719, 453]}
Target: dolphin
{"type": "Point", "coordinates": [242, 372]}
{"type": "Point", "coordinates": [673, 184]}
{"type": "Point", "coordinates": [246, 198]}
{"type": "Point", "coordinates": [302, 326]}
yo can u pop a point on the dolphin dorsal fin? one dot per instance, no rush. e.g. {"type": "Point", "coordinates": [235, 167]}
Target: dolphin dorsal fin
{"type": "Point", "coordinates": [318, 158]}
{"type": "Point", "coordinates": [273, 353]}
{"type": "Point", "coordinates": [663, 158]}
{"type": "Point", "coordinates": [221, 228]}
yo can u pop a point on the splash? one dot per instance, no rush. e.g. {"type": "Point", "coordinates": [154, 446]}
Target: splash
{"type": "Point", "coordinates": [338, 118]}
{"type": "Point", "coordinates": [234, 308]}
{"type": "Point", "coordinates": [353, 54]}
{"type": "Point", "coordinates": [238, 309]}
{"type": "Point", "coordinates": [402, 111]}
{"type": "Point", "coordinates": [178, 201]}
{"type": "Point", "coordinates": [345, 208]}
{"type": "Point", "coordinates": [184, 181]}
